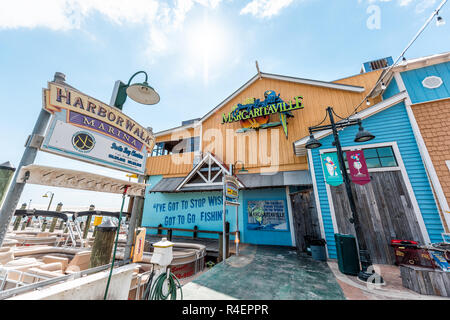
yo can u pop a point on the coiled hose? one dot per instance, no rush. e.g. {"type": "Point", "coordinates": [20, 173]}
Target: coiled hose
{"type": "Point", "coordinates": [154, 291]}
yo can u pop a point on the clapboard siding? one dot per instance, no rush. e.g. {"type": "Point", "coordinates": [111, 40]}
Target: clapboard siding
{"type": "Point", "coordinates": [417, 92]}
{"type": "Point", "coordinates": [389, 125]}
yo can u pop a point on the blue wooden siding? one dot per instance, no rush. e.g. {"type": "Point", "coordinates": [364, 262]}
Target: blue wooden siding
{"type": "Point", "coordinates": [417, 92]}
{"type": "Point", "coordinates": [389, 125]}
{"type": "Point", "coordinates": [154, 215]}
{"type": "Point", "coordinates": [391, 90]}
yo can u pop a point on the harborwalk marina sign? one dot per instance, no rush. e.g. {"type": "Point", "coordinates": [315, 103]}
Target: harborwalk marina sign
{"type": "Point", "coordinates": [89, 130]}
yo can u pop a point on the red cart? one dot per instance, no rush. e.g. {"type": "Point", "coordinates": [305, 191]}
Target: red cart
{"type": "Point", "coordinates": [408, 252]}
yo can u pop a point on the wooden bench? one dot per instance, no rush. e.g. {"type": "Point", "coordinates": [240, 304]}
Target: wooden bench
{"type": "Point", "coordinates": [426, 281]}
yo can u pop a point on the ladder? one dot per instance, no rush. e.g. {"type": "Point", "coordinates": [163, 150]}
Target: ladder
{"type": "Point", "coordinates": [74, 232]}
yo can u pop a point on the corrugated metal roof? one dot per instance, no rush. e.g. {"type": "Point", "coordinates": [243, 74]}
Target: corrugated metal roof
{"type": "Point", "coordinates": [279, 179]}
{"type": "Point", "coordinates": [250, 181]}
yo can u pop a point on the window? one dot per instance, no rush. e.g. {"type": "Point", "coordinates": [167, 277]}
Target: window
{"type": "Point", "coordinates": [180, 146]}
{"type": "Point", "coordinates": [159, 150]}
{"type": "Point", "coordinates": [382, 157]}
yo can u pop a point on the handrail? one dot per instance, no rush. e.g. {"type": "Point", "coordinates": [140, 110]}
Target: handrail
{"type": "Point", "coordinates": [191, 230]}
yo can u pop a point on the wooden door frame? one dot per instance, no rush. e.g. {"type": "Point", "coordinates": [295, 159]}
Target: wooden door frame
{"type": "Point", "coordinates": [400, 167]}
{"type": "Point", "coordinates": [291, 217]}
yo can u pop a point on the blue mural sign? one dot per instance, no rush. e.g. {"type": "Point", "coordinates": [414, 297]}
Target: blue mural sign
{"type": "Point", "coordinates": [184, 211]}
{"type": "Point", "coordinates": [266, 215]}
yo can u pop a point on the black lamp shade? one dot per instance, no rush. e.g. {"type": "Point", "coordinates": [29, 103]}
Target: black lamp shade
{"type": "Point", "coordinates": [312, 143]}
{"type": "Point", "coordinates": [363, 135]}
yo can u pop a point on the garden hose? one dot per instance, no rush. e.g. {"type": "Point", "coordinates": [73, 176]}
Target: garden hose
{"type": "Point", "coordinates": [154, 291]}
{"type": "Point", "coordinates": [115, 244]}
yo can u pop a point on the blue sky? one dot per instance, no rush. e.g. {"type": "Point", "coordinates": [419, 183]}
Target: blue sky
{"type": "Point", "coordinates": [196, 52]}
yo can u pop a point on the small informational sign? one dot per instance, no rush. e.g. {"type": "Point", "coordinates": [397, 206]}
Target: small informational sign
{"type": "Point", "coordinates": [86, 129]}
{"type": "Point", "coordinates": [231, 188]}
{"type": "Point", "coordinates": [266, 215]}
{"type": "Point", "coordinates": [138, 251]}
{"type": "Point", "coordinates": [98, 220]}
{"type": "Point", "coordinates": [331, 169]}
{"type": "Point", "coordinates": [358, 167]}
{"type": "Point", "coordinates": [440, 260]}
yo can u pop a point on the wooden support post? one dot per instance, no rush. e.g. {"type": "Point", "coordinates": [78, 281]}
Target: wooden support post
{"type": "Point", "coordinates": [227, 239]}
{"type": "Point", "coordinates": [169, 234]}
{"type": "Point", "coordinates": [17, 222]}
{"type": "Point", "coordinates": [159, 230]}
{"type": "Point", "coordinates": [103, 245]}
{"type": "Point", "coordinates": [220, 258]}
{"type": "Point", "coordinates": [44, 225]}
{"type": "Point", "coordinates": [19, 218]}
{"type": "Point", "coordinates": [227, 242]}
{"type": "Point", "coordinates": [194, 235]}
{"type": "Point", "coordinates": [88, 222]}
{"type": "Point", "coordinates": [54, 220]}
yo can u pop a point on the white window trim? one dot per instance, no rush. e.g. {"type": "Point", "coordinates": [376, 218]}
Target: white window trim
{"type": "Point", "coordinates": [316, 197]}
{"type": "Point", "coordinates": [408, 185]}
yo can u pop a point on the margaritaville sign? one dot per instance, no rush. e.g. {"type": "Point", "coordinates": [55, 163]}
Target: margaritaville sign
{"type": "Point", "coordinates": [87, 129]}
{"type": "Point", "coordinates": [260, 109]}
{"type": "Point", "coordinates": [254, 113]}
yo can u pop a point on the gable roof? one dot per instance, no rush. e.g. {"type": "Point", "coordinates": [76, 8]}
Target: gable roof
{"type": "Point", "coordinates": [210, 160]}
{"type": "Point", "coordinates": [324, 84]}
{"type": "Point", "coordinates": [299, 145]}
{"type": "Point", "coordinates": [318, 83]}
{"type": "Point", "coordinates": [411, 64]}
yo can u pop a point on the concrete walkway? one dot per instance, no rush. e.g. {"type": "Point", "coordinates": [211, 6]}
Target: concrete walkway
{"type": "Point", "coordinates": [266, 273]}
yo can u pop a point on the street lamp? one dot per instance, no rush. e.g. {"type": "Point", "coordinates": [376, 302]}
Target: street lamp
{"type": "Point", "coordinates": [51, 198]}
{"type": "Point", "coordinates": [139, 92]}
{"type": "Point", "coordinates": [243, 170]}
{"type": "Point", "coordinates": [144, 94]}
{"type": "Point", "coordinates": [361, 136]}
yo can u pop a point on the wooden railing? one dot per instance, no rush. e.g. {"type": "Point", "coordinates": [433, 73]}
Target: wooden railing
{"type": "Point", "coordinates": [170, 164]}
{"type": "Point", "coordinates": [195, 233]}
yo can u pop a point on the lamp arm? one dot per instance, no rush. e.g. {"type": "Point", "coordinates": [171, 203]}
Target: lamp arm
{"type": "Point", "coordinates": [146, 77]}
{"type": "Point", "coordinates": [337, 125]}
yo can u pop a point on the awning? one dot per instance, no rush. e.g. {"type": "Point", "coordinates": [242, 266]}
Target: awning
{"type": "Point", "coordinates": [250, 181]}
{"type": "Point", "coordinates": [66, 178]}
{"type": "Point", "coordinates": [279, 179]}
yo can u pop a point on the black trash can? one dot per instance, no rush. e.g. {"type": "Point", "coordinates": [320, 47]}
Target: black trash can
{"type": "Point", "coordinates": [347, 253]}
{"type": "Point", "coordinates": [318, 251]}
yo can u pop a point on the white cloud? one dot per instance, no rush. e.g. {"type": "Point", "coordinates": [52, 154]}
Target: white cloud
{"type": "Point", "coordinates": [265, 8]}
{"type": "Point", "coordinates": [420, 5]}
{"type": "Point", "coordinates": [61, 15]}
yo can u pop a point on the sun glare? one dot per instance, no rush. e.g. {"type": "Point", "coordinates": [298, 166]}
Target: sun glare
{"type": "Point", "coordinates": [207, 46]}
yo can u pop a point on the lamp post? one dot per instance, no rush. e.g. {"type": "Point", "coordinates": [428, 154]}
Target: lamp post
{"type": "Point", "coordinates": [361, 136]}
{"type": "Point", "coordinates": [139, 92]}
{"type": "Point", "coordinates": [144, 94]}
{"type": "Point", "coordinates": [243, 170]}
{"type": "Point", "coordinates": [51, 198]}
